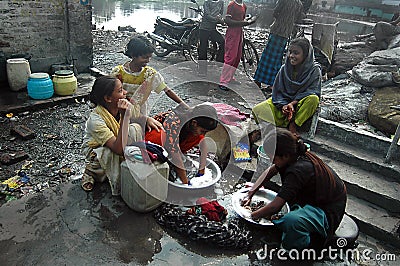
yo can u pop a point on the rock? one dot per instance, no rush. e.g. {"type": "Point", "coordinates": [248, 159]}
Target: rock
{"type": "Point", "coordinates": [23, 132]}
{"type": "Point", "coordinates": [380, 114]}
{"type": "Point", "coordinates": [344, 100]}
{"type": "Point", "coordinates": [376, 69]}
{"type": "Point", "coordinates": [126, 28]}
{"type": "Point", "coordinates": [338, 113]}
{"type": "Point", "coordinates": [395, 42]}
{"type": "Point", "coordinates": [373, 75]}
{"type": "Point", "coordinates": [349, 55]}
{"type": "Point", "coordinates": [384, 57]}
{"type": "Point", "coordinates": [11, 158]}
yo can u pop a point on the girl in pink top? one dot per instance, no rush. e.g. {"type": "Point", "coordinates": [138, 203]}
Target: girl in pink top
{"type": "Point", "coordinates": [235, 19]}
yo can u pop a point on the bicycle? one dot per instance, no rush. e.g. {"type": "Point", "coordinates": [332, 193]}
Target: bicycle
{"type": "Point", "coordinates": [249, 57]}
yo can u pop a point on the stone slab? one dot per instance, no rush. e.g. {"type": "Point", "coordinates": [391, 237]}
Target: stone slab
{"type": "Point", "coordinates": [380, 114]}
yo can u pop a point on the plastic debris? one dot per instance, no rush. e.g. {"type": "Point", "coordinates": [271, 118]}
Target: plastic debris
{"type": "Point", "coordinates": [10, 198]}
{"type": "Point", "coordinates": [24, 178]}
{"type": "Point", "coordinates": [27, 165]}
{"type": "Point", "coordinates": [26, 190]}
{"type": "Point", "coordinates": [66, 172]}
{"type": "Point", "coordinates": [50, 136]}
{"type": "Point", "coordinates": [12, 182]}
{"type": "Point", "coordinates": [23, 132]}
{"type": "Point", "coordinates": [241, 152]}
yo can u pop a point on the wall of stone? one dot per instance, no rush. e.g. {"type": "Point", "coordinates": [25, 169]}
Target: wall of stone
{"type": "Point", "coordinates": [51, 31]}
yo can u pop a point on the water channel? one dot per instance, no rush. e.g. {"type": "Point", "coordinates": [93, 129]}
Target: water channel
{"type": "Point", "coordinates": [141, 15]}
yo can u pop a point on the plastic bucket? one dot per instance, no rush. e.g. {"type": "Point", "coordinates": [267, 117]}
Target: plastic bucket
{"type": "Point", "coordinates": [40, 86]}
{"type": "Point", "coordinates": [18, 72]}
{"type": "Point", "coordinates": [144, 187]}
{"type": "Point", "coordinates": [263, 161]}
{"type": "Point", "coordinates": [65, 82]}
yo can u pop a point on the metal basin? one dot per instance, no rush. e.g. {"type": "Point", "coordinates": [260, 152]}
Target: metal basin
{"type": "Point", "coordinates": [212, 175]}
{"type": "Point", "coordinates": [262, 194]}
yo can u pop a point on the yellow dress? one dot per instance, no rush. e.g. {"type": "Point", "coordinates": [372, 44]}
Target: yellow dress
{"type": "Point", "coordinates": [139, 85]}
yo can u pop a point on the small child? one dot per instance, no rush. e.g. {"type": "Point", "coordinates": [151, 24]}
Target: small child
{"type": "Point", "coordinates": [139, 80]}
{"type": "Point", "coordinates": [183, 131]}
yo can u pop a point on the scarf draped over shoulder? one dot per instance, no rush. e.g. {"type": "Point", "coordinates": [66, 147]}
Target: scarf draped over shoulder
{"type": "Point", "coordinates": [110, 121]}
{"type": "Point", "coordinates": [307, 81]}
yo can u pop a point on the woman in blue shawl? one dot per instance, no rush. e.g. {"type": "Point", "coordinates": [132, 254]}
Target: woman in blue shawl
{"type": "Point", "coordinates": [296, 90]}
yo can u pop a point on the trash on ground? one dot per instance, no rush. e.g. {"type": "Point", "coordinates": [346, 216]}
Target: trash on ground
{"type": "Point", "coordinates": [12, 158]}
{"type": "Point", "coordinates": [23, 132]}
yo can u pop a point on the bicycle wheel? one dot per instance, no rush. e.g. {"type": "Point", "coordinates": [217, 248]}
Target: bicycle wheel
{"type": "Point", "coordinates": [194, 43]}
{"type": "Point", "coordinates": [160, 49]}
{"type": "Point", "coordinates": [249, 58]}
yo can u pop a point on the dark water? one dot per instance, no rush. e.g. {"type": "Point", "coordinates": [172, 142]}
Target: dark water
{"type": "Point", "coordinates": [141, 14]}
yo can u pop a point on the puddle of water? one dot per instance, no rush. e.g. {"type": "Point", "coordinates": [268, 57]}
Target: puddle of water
{"type": "Point", "coordinates": [142, 15]}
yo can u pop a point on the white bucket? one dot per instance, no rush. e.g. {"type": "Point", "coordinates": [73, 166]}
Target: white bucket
{"type": "Point", "coordinates": [18, 72]}
{"type": "Point", "coordinates": [144, 187]}
{"type": "Point", "coordinates": [263, 161]}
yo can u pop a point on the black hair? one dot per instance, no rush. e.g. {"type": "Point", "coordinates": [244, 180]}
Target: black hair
{"type": "Point", "coordinates": [285, 143]}
{"type": "Point", "coordinates": [303, 43]}
{"type": "Point", "coordinates": [138, 46]}
{"type": "Point", "coordinates": [204, 114]}
{"type": "Point", "coordinates": [103, 86]}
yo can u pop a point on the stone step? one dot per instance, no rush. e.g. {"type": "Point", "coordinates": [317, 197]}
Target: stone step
{"type": "Point", "coordinates": [356, 138]}
{"type": "Point", "coordinates": [374, 221]}
{"type": "Point", "coordinates": [368, 185]}
{"type": "Point", "coordinates": [354, 156]}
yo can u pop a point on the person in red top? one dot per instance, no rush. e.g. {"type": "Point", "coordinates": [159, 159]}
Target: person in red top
{"type": "Point", "coordinates": [182, 131]}
{"type": "Point", "coordinates": [235, 19]}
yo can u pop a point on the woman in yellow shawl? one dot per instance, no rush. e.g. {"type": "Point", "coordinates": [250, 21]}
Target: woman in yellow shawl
{"type": "Point", "coordinates": [107, 132]}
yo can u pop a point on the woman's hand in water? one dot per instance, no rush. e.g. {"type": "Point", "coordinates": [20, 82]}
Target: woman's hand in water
{"type": "Point", "coordinates": [151, 123]}
{"type": "Point", "coordinates": [200, 172]}
{"type": "Point", "coordinates": [247, 199]}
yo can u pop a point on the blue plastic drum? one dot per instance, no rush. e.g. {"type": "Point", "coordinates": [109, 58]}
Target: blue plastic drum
{"type": "Point", "coordinates": [40, 86]}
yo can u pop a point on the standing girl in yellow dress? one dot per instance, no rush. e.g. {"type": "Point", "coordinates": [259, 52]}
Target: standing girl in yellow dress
{"type": "Point", "coordinates": [139, 79]}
